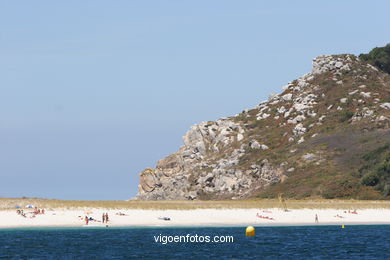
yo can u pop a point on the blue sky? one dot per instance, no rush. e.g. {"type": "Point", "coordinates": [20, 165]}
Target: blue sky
{"type": "Point", "coordinates": [92, 92]}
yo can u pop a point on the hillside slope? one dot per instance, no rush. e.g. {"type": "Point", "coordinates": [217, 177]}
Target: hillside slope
{"type": "Point", "coordinates": [326, 135]}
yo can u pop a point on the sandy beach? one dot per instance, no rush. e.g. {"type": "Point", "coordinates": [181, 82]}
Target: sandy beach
{"type": "Point", "coordinates": [196, 217]}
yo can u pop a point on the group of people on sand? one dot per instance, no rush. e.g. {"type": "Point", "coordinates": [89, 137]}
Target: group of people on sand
{"type": "Point", "coordinates": [39, 211]}
{"type": "Point", "coordinates": [264, 217]}
{"type": "Point", "coordinates": [34, 213]}
{"type": "Point", "coordinates": [105, 219]}
{"type": "Point", "coordinates": [337, 215]}
{"type": "Point", "coordinates": [349, 211]}
{"type": "Point", "coordinates": [21, 213]}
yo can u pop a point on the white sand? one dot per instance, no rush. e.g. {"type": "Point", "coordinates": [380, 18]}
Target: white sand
{"type": "Point", "coordinates": [199, 217]}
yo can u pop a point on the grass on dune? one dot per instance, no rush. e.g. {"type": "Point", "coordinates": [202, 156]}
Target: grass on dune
{"type": "Point", "coordinates": [11, 203]}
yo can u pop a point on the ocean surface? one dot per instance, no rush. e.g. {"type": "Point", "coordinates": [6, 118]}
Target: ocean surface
{"type": "Point", "coordinates": [297, 242]}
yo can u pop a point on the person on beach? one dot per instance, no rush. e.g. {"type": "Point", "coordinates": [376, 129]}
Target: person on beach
{"type": "Point", "coordinates": [316, 219]}
{"type": "Point", "coordinates": [86, 220]}
{"type": "Point", "coordinates": [103, 217]}
{"type": "Point", "coordinates": [106, 217]}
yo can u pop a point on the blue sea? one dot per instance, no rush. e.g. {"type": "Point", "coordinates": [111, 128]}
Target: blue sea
{"type": "Point", "coordinates": [296, 242]}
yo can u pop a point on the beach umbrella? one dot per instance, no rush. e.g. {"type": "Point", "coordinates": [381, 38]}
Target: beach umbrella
{"type": "Point", "coordinates": [29, 206]}
{"type": "Point", "coordinates": [17, 207]}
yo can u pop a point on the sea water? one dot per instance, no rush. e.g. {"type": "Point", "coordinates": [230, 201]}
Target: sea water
{"type": "Point", "coordinates": [292, 242]}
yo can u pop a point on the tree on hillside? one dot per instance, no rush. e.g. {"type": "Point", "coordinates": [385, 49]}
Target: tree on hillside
{"type": "Point", "coordinates": [379, 57]}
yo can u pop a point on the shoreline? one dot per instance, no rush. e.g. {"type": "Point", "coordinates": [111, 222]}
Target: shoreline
{"type": "Point", "coordinates": [346, 224]}
{"type": "Point", "coordinates": [133, 218]}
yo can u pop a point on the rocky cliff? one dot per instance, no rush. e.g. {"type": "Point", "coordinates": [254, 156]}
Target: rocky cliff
{"type": "Point", "coordinates": [307, 141]}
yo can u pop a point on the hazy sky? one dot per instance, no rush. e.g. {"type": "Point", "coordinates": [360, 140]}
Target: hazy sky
{"type": "Point", "coordinates": [92, 92]}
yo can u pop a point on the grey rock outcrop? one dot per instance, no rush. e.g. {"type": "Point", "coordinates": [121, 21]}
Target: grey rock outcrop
{"type": "Point", "coordinates": [197, 170]}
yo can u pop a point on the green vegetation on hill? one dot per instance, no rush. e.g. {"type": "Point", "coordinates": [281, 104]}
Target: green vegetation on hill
{"type": "Point", "coordinates": [376, 171]}
{"type": "Point", "coordinates": [379, 57]}
{"type": "Point", "coordinates": [356, 165]}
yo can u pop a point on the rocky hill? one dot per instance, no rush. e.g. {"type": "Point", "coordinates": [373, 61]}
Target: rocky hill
{"type": "Point", "coordinates": [326, 135]}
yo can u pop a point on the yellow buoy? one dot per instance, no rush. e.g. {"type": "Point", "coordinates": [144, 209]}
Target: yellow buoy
{"type": "Point", "coordinates": [250, 231]}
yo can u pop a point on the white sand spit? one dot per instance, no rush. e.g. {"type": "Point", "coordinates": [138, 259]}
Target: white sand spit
{"type": "Point", "coordinates": [197, 217]}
